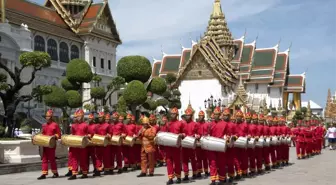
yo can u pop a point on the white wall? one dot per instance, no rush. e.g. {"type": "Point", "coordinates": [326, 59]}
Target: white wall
{"type": "Point", "coordinates": [198, 90]}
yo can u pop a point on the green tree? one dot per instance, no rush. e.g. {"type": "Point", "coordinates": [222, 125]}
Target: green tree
{"type": "Point", "coordinates": [134, 68]}
{"type": "Point", "coordinates": [135, 94]}
{"type": "Point", "coordinates": [121, 105]}
{"type": "Point", "coordinates": [115, 85]}
{"type": "Point", "coordinates": [10, 92]}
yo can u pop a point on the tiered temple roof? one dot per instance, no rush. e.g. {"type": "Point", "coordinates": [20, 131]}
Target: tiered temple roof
{"type": "Point", "coordinates": [254, 65]}
{"type": "Point", "coordinates": [55, 18]}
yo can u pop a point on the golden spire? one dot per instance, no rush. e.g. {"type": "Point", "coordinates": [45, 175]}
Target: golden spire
{"type": "Point", "coordinates": [309, 110]}
{"type": "Point", "coordinates": [3, 11]}
{"type": "Point", "coordinates": [241, 90]}
{"type": "Point", "coordinates": [217, 27]}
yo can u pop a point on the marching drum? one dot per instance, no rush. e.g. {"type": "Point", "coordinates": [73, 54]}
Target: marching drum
{"type": "Point", "coordinates": [189, 142]}
{"type": "Point", "coordinates": [129, 141]}
{"type": "Point", "coordinates": [289, 141]}
{"type": "Point", "coordinates": [260, 143]}
{"type": "Point", "coordinates": [213, 144]}
{"type": "Point", "coordinates": [75, 141]}
{"type": "Point", "coordinates": [168, 139]}
{"type": "Point", "coordinates": [138, 141]}
{"type": "Point", "coordinates": [267, 142]}
{"type": "Point", "coordinates": [116, 141]}
{"type": "Point", "coordinates": [241, 142]}
{"type": "Point", "coordinates": [44, 141]}
{"type": "Point", "coordinates": [99, 140]}
{"type": "Point", "coordinates": [275, 141]}
{"type": "Point", "coordinates": [251, 143]}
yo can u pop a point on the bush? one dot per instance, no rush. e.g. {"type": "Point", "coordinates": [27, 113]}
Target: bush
{"type": "Point", "coordinates": [150, 105]}
{"type": "Point", "coordinates": [98, 92]}
{"type": "Point", "coordinates": [157, 86]}
{"type": "Point", "coordinates": [134, 68]}
{"type": "Point", "coordinates": [79, 71]}
{"type": "Point", "coordinates": [56, 98]}
{"type": "Point", "coordinates": [176, 104]}
{"type": "Point", "coordinates": [162, 102]}
{"type": "Point", "coordinates": [74, 99]}
{"type": "Point", "coordinates": [121, 105]}
{"type": "Point", "coordinates": [67, 85]}
{"type": "Point", "coordinates": [176, 92]}
{"type": "Point", "coordinates": [135, 93]}
{"type": "Point", "coordinates": [170, 78]}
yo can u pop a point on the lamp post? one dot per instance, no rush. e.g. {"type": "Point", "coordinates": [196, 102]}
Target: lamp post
{"type": "Point", "coordinates": [210, 104]}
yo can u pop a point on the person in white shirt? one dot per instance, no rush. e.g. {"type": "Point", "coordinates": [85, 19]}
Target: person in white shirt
{"type": "Point", "coordinates": [331, 135]}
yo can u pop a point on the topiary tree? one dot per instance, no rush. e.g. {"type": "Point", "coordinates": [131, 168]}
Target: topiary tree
{"type": "Point", "coordinates": [157, 86]}
{"type": "Point", "coordinates": [135, 94]}
{"type": "Point", "coordinates": [10, 92]}
{"type": "Point", "coordinates": [121, 105]}
{"type": "Point", "coordinates": [78, 72]}
{"type": "Point", "coordinates": [134, 68]}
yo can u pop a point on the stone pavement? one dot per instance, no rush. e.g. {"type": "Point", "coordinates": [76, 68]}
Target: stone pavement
{"type": "Point", "coordinates": [317, 170]}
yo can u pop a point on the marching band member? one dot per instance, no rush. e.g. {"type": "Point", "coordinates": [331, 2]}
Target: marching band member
{"type": "Point", "coordinates": [161, 148]}
{"type": "Point", "coordinates": [201, 154]}
{"type": "Point", "coordinates": [103, 153]}
{"type": "Point", "coordinates": [217, 159]}
{"type": "Point", "coordinates": [80, 154]}
{"type": "Point", "coordinates": [48, 156]}
{"type": "Point", "coordinates": [266, 134]}
{"type": "Point", "coordinates": [73, 126]}
{"type": "Point", "coordinates": [137, 147]}
{"type": "Point", "coordinates": [153, 123]}
{"type": "Point", "coordinates": [128, 151]}
{"type": "Point", "coordinates": [117, 129]}
{"type": "Point", "coordinates": [190, 129]}
{"type": "Point", "coordinates": [173, 155]}
{"type": "Point", "coordinates": [252, 133]}
{"type": "Point", "coordinates": [278, 148]}
{"type": "Point", "coordinates": [147, 135]}
{"type": "Point", "coordinates": [242, 131]}
{"type": "Point", "coordinates": [92, 149]}
{"type": "Point", "coordinates": [272, 148]}
{"type": "Point", "coordinates": [320, 137]}
{"type": "Point", "coordinates": [308, 134]}
{"type": "Point", "coordinates": [259, 135]}
{"type": "Point", "coordinates": [300, 148]}
{"type": "Point", "coordinates": [231, 162]}
{"type": "Point", "coordinates": [286, 133]}
{"type": "Point", "coordinates": [233, 119]}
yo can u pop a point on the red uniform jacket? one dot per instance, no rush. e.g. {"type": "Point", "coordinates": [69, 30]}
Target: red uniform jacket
{"type": "Point", "coordinates": [82, 129]}
{"type": "Point", "coordinates": [301, 135]}
{"type": "Point", "coordinates": [219, 129]}
{"type": "Point", "coordinates": [190, 129]}
{"type": "Point", "coordinates": [117, 129]}
{"type": "Point", "coordinates": [203, 129]}
{"type": "Point", "coordinates": [242, 130]}
{"type": "Point", "coordinates": [92, 129]}
{"type": "Point", "coordinates": [285, 130]}
{"type": "Point", "coordinates": [279, 130]}
{"type": "Point", "coordinates": [103, 129]}
{"type": "Point", "coordinates": [51, 129]}
{"type": "Point", "coordinates": [252, 130]}
{"type": "Point", "coordinates": [73, 128]}
{"type": "Point", "coordinates": [131, 129]}
{"type": "Point", "coordinates": [260, 130]}
{"type": "Point", "coordinates": [231, 128]}
{"type": "Point", "coordinates": [273, 131]}
{"type": "Point", "coordinates": [266, 130]}
{"type": "Point", "coordinates": [308, 135]}
{"type": "Point", "coordinates": [175, 127]}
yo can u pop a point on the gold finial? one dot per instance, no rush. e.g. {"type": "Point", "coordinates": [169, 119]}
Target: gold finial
{"type": "Point", "coordinates": [217, 9]}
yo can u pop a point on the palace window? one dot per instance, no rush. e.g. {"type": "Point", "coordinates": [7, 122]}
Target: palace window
{"type": "Point", "coordinates": [102, 63]}
{"type": "Point", "coordinates": [94, 61]}
{"type": "Point", "coordinates": [109, 65]}
{"type": "Point", "coordinates": [39, 43]}
{"type": "Point", "coordinates": [74, 52]}
{"type": "Point", "coordinates": [52, 49]}
{"type": "Point", "coordinates": [64, 52]}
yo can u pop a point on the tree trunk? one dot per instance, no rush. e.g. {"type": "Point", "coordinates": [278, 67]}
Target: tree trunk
{"type": "Point", "coordinates": [134, 112]}
{"type": "Point", "coordinates": [10, 108]}
{"type": "Point", "coordinates": [65, 121]}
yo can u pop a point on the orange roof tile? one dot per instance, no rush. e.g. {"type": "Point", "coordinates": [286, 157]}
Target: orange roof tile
{"type": "Point", "coordinates": [35, 10]}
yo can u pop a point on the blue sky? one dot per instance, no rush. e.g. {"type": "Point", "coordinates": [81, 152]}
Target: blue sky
{"type": "Point", "coordinates": [310, 25]}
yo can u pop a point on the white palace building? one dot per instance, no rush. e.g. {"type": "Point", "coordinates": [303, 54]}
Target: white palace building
{"type": "Point", "coordinates": [66, 29]}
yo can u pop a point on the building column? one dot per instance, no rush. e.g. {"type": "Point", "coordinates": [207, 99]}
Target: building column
{"type": "Point", "coordinates": [87, 56]}
{"type": "Point", "coordinates": [297, 100]}
{"type": "Point", "coordinates": [285, 100]}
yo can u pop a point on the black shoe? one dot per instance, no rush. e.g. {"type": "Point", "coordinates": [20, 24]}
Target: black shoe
{"type": "Point", "coordinates": [238, 177]}
{"type": "Point", "coordinates": [96, 174]}
{"type": "Point", "coordinates": [186, 178]}
{"type": "Point", "coordinates": [94, 171]}
{"type": "Point", "coordinates": [207, 174]}
{"type": "Point", "coordinates": [142, 175]}
{"type": "Point", "coordinates": [178, 181]}
{"type": "Point", "coordinates": [55, 175]}
{"type": "Point", "coordinates": [267, 168]}
{"type": "Point", "coordinates": [151, 175]}
{"type": "Point", "coordinates": [194, 177]}
{"type": "Point", "coordinates": [124, 169]}
{"type": "Point", "coordinates": [41, 177]}
{"type": "Point", "coordinates": [107, 172]}
{"type": "Point", "coordinates": [230, 180]}
{"type": "Point", "coordinates": [212, 183]}
{"type": "Point", "coordinates": [73, 177]}
{"type": "Point", "coordinates": [80, 173]}
{"type": "Point", "coordinates": [160, 164]}
{"type": "Point", "coordinates": [120, 171]}
{"type": "Point", "coordinates": [69, 174]}
{"type": "Point", "coordinates": [84, 176]}
{"type": "Point", "coordinates": [221, 183]}
{"type": "Point", "coordinates": [170, 181]}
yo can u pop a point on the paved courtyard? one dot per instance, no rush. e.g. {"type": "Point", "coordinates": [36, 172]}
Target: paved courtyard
{"type": "Point", "coordinates": [317, 170]}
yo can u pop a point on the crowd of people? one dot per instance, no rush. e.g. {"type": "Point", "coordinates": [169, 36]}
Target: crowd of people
{"type": "Point", "coordinates": [233, 164]}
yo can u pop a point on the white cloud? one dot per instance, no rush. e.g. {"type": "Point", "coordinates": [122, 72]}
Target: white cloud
{"type": "Point", "coordinates": [151, 23]}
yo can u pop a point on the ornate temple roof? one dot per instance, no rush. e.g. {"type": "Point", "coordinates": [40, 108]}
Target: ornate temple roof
{"type": "Point", "coordinates": [254, 65]}
{"type": "Point", "coordinates": [55, 19]}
